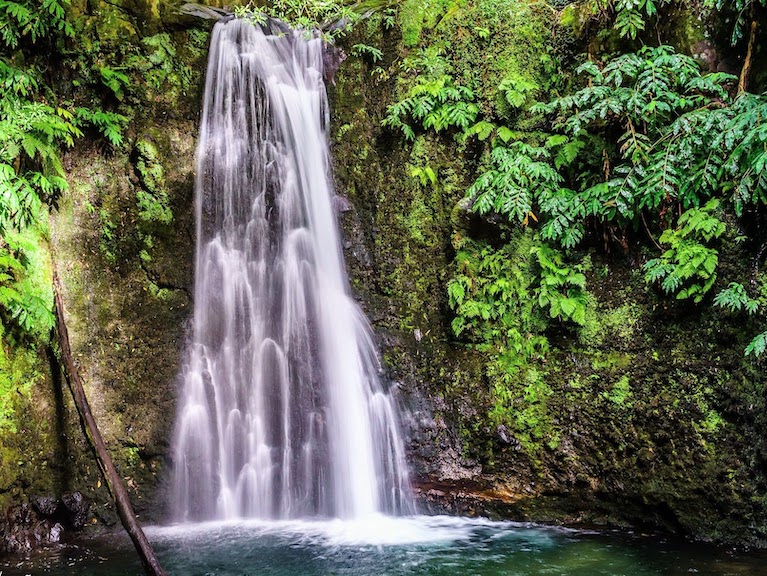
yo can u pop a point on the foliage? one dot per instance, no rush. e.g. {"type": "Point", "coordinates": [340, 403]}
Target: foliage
{"type": "Point", "coordinates": [620, 392]}
{"type": "Point", "coordinates": [561, 288]}
{"type": "Point", "coordinates": [517, 172]}
{"type": "Point", "coordinates": [492, 297]}
{"type": "Point", "coordinates": [523, 179]}
{"type": "Point", "coordinates": [375, 54]}
{"type": "Point", "coordinates": [502, 297]}
{"type": "Point", "coordinates": [758, 345]}
{"type": "Point", "coordinates": [640, 137]}
{"type": "Point", "coordinates": [331, 18]}
{"type": "Point", "coordinates": [735, 298]}
{"type": "Point", "coordinates": [743, 10]}
{"type": "Point", "coordinates": [34, 126]}
{"type": "Point", "coordinates": [739, 151]}
{"type": "Point", "coordinates": [523, 405]}
{"type": "Point", "coordinates": [688, 268]}
{"type": "Point", "coordinates": [109, 124]}
{"type": "Point", "coordinates": [437, 104]}
{"type": "Point", "coordinates": [15, 82]}
{"type": "Point", "coordinates": [160, 65]}
{"type": "Point", "coordinates": [628, 17]}
{"type": "Point", "coordinates": [32, 20]}
{"type": "Point", "coordinates": [646, 113]}
{"type": "Point", "coordinates": [517, 90]}
{"type": "Point", "coordinates": [115, 80]}
{"type": "Point", "coordinates": [26, 300]}
{"type": "Point", "coordinates": [648, 131]}
{"type": "Point", "coordinates": [418, 15]}
{"type": "Point", "coordinates": [30, 168]}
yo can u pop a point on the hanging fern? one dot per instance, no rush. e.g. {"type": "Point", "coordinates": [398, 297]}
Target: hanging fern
{"type": "Point", "coordinates": [24, 307]}
{"type": "Point", "coordinates": [32, 20]}
{"type": "Point", "coordinates": [735, 298]}
{"type": "Point", "coordinates": [30, 168]}
{"type": "Point", "coordinates": [628, 17]}
{"type": "Point", "coordinates": [437, 104]}
{"type": "Point", "coordinates": [688, 268]}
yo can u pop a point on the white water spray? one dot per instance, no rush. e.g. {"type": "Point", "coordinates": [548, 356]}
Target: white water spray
{"type": "Point", "coordinates": [281, 414]}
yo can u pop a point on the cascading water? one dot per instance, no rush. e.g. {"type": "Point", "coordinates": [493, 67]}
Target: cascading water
{"type": "Point", "coordinates": [281, 414]}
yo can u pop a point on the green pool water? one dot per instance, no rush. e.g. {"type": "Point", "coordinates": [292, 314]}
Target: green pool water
{"type": "Point", "coordinates": [428, 546]}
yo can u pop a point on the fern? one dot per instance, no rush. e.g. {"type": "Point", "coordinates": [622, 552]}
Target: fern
{"type": "Point", "coordinates": [115, 80]}
{"type": "Point", "coordinates": [688, 268]}
{"type": "Point", "coordinates": [15, 82]}
{"type": "Point", "coordinates": [32, 131]}
{"type": "Point", "coordinates": [659, 132]}
{"type": "Point", "coordinates": [109, 124]}
{"type": "Point", "coordinates": [758, 345]}
{"type": "Point", "coordinates": [735, 298]}
{"type": "Point", "coordinates": [437, 104]}
{"type": "Point", "coordinates": [22, 306]}
{"type": "Point", "coordinates": [517, 90]}
{"type": "Point", "coordinates": [32, 20]}
{"type": "Point", "coordinates": [494, 310]}
{"type": "Point", "coordinates": [517, 171]}
{"type": "Point", "coordinates": [741, 142]}
{"type": "Point", "coordinates": [561, 288]}
{"type": "Point", "coordinates": [628, 17]}
{"type": "Point", "coordinates": [364, 49]}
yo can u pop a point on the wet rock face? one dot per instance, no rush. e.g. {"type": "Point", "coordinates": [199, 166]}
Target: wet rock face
{"type": "Point", "coordinates": [76, 506]}
{"type": "Point", "coordinates": [42, 521]}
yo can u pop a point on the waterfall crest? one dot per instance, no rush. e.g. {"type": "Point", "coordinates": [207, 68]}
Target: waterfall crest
{"type": "Point", "coordinates": [281, 413]}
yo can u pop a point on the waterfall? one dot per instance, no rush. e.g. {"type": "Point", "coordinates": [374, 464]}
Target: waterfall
{"type": "Point", "coordinates": [281, 412]}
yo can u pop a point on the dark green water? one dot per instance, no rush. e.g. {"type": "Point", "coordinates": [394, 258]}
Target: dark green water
{"type": "Point", "coordinates": [427, 546]}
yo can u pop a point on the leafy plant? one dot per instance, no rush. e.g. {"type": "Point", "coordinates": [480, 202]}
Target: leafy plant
{"type": "Point", "coordinates": [494, 308]}
{"type": "Point", "coordinates": [518, 170]}
{"type": "Point", "coordinates": [15, 82]}
{"type": "Point", "coordinates": [438, 104]}
{"type": "Point", "coordinates": [32, 20]}
{"type": "Point", "coordinates": [115, 80]}
{"type": "Point", "coordinates": [364, 49]}
{"type": "Point", "coordinates": [109, 124]}
{"type": "Point", "coordinates": [758, 345]}
{"type": "Point", "coordinates": [33, 129]}
{"type": "Point", "coordinates": [161, 65]}
{"type": "Point", "coordinates": [561, 287]}
{"type": "Point", "coordinates": [629, 17]}
{"type": "Point", "coordinates": [735, 298]}
{"type": "Point", "coordinates": [688, 268]}
{"type": "Point", "coordinates": [331, 18]}
{"type": "Point", "coordinates": [738, 152]}
{"type": "Point", "coordinates": [651, 105]}
{"type": "Point", "coordinates": [30, 168]}
{"type": "Point", "coordinates": [25, 296]}
{"type": "Point", "coordinates": [517, 90]}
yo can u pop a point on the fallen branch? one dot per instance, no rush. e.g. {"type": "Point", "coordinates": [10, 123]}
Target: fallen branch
{"type": "Point", "coordinates": [114, 482]}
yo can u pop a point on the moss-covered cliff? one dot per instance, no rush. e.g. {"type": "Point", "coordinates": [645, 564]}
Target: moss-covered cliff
{"type": "Point", "coordinates": [647, 413]}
